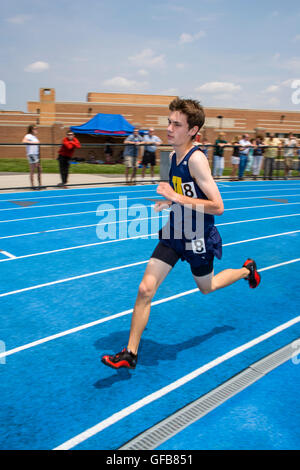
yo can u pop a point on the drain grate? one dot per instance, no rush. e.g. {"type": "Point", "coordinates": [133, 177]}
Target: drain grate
{"type": "Point", "coordinates": [165, 429]}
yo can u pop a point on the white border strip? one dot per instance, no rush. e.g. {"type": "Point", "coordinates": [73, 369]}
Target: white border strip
{"type": "Point", "coordinates": [171, 387]}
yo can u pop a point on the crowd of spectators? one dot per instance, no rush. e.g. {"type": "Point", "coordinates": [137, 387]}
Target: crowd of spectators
{"type": "Point", "coordinates": [253, 156]}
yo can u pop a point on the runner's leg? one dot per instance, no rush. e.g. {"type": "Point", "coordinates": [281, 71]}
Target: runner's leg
{"type": "Point", "coordinates": [155, 273]}
{"type": "Point", "coordinates": [211, 282]}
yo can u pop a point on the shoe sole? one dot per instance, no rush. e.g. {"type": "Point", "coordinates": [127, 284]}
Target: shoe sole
{"type": "Point", "coordinates": [115, 367]}
{"type": "Point", "coordinates": [256, 273]}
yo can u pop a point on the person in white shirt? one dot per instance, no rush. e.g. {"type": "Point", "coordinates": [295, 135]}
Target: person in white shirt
{"type": "Point", "coordinates": [245, 145]}
{"type": "Point", "coordinates": [33, 155]}
{"type": "Point", "coordinates": [151, 142]}
{"type": "Point", "coordinates": [289, 148]}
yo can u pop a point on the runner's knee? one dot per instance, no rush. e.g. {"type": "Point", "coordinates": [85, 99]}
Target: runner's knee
{"type": "Point", "coordinates": [147, 289]}
{"type": "Point", "coordinates": [205, 290]}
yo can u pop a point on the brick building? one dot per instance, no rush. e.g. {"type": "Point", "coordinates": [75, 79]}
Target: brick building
{"type": "Point", "coordinates": [54, 117]}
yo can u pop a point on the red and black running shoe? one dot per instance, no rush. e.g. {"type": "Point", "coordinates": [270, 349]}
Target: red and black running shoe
{"type": "Point", "coordinates": [254, 277]}
{"type": "Point", "coordinates": [124, 358]}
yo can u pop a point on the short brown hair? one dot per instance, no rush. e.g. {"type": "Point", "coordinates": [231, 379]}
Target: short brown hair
{"type": "Point", "coordinates": [30, 128]}
{"type": "Point", "coordinates": [192, 109]}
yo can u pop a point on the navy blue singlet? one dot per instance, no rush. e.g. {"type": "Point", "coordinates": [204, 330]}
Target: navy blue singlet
{"type": "Point", "coordinates": [193, 236]}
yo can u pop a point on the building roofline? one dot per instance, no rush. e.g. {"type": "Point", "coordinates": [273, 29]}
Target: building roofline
{"type": "Point", "coordinates": [88, 103]}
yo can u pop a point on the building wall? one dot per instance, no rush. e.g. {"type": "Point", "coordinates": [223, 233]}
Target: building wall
{"type": "Point", "coordinates": [54, 118]}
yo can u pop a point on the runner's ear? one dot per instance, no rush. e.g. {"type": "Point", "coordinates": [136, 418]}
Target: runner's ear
{"type": "Point", "coordinates": [194, 131]}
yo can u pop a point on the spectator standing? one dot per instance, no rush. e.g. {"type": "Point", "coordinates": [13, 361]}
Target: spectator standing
{"type": "Point", "coordinates": [151, 143]}
{"type": "Point", "coordinates": [218, 160]}
{"type": "Point", "coordinates": [133, 141]}
{"type": "Point", "coordinates": [250, 157]}
{"type": "Point", "coordinates": [258, 151]}
{"type": "Point", "coordinates": [289, 148]}
{"type": "Point", "coordinates": [235, 158]}
{"type": "Point", "coordinates": [204, 147]}
{"type": "Point", "coordinates": [33, 155]}
{"type": "Point", "coordinates": [245, 145]}
{"type": "Point", "coordinates": [270, 154]}
{"type": "Point", "coordinates": [66, 151]}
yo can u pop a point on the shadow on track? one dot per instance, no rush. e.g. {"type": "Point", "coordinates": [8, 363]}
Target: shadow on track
{"type": "Point", "coordinates": [151, 353]}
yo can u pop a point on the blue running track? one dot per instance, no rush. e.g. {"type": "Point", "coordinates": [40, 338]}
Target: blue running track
{"type": "Point", "coordinates": [66, 298]}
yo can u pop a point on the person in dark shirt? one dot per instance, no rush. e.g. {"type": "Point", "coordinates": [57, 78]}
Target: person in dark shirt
{"type": "Point", "coordinates": [235, 158]}
{"type": "Point", "coordinates": [218, 160]}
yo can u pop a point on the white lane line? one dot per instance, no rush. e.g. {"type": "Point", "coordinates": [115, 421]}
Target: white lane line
{"type": "Point", "coordinates": [261, 238]}
{"type": "Point", "coordinates": [81, 276]}
{"type": "Point", "coordinates": [77, 195]}
{"type": "Point", "coordinates": [145, 218]}
{"type": "Point", "coordinates": [117, 315]}
{"type": "Point", "coordinates": [152, 235]}
{"type": "Point", "coordinates": [259, 207]}
{"type": "Point", "coordinates": [6, 253]}
{"type": "Point", "coordinates": [88, 226]}
{"type": "Point", "coordinates": [92, 431]}
{"type": "Point", "coordinates": [279, 187]}
{"type": "Point", "coordinates": [84, 212]}
{"type": "Point", "coordinates": [262, 183]}
{"type": "Point", "coordinates": [89, 325]}
{"type": "Point", "coordinates": [73, 278]}
{"type": "Point", "coordinates": [251, 197]}
{"type": "Point", "coordinates": [137, 207]}
{"type": "Point", "coordinates": [104, 201]}
{"type": "Point", "coordinates": [257, 220]}
{"type": "Point", "coordinates": [260, 190]}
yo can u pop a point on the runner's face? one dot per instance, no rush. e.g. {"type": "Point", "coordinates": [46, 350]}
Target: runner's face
{"type": "Point", "coordinates": [178, 130]}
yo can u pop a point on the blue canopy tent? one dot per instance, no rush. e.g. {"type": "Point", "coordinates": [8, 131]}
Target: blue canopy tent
{"type": "Point", "coordinates": [105, 124]}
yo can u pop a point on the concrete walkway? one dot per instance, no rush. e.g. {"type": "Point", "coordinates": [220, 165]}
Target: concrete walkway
{"type": "Point", "coordinates": [10, 182]}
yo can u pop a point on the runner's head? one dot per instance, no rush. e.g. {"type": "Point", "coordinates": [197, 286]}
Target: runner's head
{"type": "Point", "coordinates": [193, 111]}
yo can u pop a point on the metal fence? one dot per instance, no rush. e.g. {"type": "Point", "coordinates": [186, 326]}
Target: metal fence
{"type": "Point", "coordinates": [111, 154]}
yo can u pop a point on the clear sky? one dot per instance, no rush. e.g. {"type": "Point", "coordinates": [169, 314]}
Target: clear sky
{"type": "Point", "coordinates": [227, 53]}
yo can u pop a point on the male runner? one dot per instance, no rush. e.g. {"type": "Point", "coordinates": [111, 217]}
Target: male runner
{"type": "Point", "coordinates": [190, 184]}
